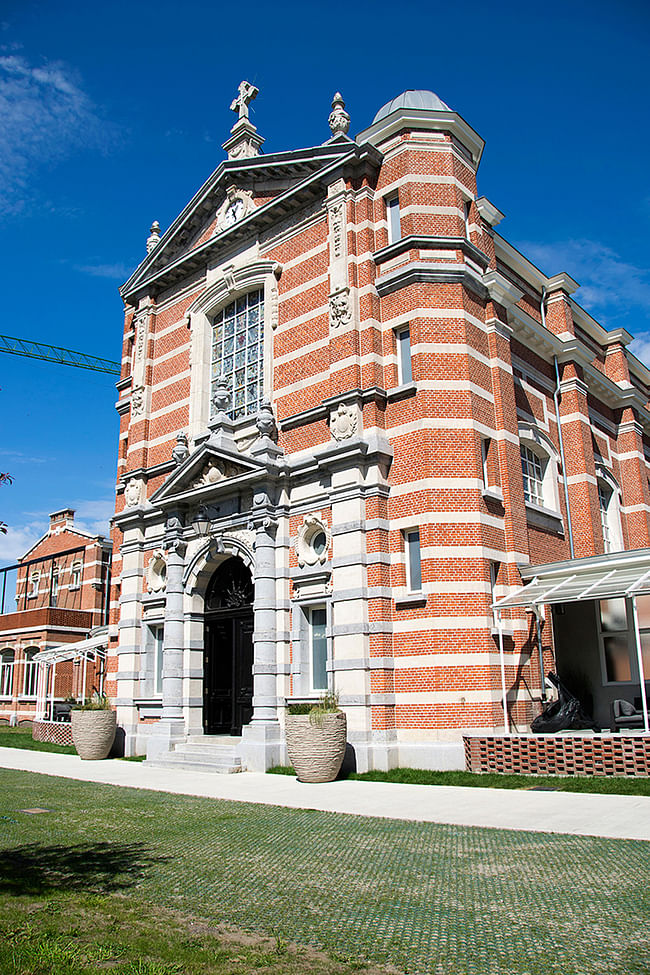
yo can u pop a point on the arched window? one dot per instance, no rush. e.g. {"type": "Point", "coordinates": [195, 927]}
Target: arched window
{"type": "Point", "coordinates": [610, 512]}
{"type": "Point", "coordinates": [539, 468]}
{"type": "Point", "coordinates": [34, 581]}
{"type": "Point", "coordinates": [7, 672]}
{"type": "Point", "coordinates": [30, 672]}
{"type": "Point", "coordinates": [238, 352]}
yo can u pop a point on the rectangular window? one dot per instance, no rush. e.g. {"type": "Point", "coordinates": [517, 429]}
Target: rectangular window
{"type": "Point", "coordinates": [238, 354]}
{"type": "Point", "coordinates": [467, 208]}
{"type": "Point", "coordinates": [75, 575]}
{"type": "Point", "coordinates": [485, 452]}
{"type": "Point", "coordinates": [393, 217]}
{"type": "Point", "coordinates": [6, 673]}
{"type": "Point", "coordinates": [157, 633]}
{"type": "Point", "coordinates": [532, 469]}
{"type": "Point", "coordinates": [494, 575]}
{"type": "Point", "coordinates": [615, 640]}
{"type": "Point", "coordinates": [413, 561]}
{"type": "Point", "coordinates": [34, 580]}
{"type": "Point", "coordinates": [54, 585]}
{"type": "Point", "coordinates": [318, 645]}
{"type": "Point", "coordinates": [604, 499]}
{"type": "Point", "coordinates": [30, 673]}
{"type": "Point", "coordinates": [404, 370]}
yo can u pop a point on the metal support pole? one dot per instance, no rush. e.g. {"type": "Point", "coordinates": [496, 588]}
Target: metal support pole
{"type": "Point", "coordinates": [540, 651]}
{"type": "Point", "coordinates": [52, 691]}
{"type": "Point", "coordinates": [639, 657]}
{"type": "Point", "coordinates": [504, 693]}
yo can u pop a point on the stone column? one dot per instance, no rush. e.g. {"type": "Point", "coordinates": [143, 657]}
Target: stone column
{"type": "Point", "coordinates": [171, 727]}
{"type": "Point", "coordinates": [261, 739]}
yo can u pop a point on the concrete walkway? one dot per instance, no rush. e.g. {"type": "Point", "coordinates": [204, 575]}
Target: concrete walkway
{"type": "Point", "coordinates": [616, 817]}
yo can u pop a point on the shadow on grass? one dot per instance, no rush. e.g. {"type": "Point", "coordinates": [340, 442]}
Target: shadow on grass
{"type": "Point", "coordinates": [89, 867]}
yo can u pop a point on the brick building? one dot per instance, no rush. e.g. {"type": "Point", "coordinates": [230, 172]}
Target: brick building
{"type": "Point", "coordinates": [61, 594]}
{"type": "Point", "coordinates": [351, 411]}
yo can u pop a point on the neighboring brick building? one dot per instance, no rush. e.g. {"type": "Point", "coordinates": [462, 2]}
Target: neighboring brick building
{"type": "Point", "coordinates": [354, 529]}
{"type": "Point", "coordinates": [61, 591]}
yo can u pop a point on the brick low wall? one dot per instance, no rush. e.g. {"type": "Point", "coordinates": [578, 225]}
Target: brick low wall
{"type": "Point", "coordinates": [57, 732]}
{"type": "Point", "coordinates": [559, 754]}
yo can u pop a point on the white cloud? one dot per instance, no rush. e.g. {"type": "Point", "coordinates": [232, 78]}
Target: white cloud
{"type": "Point", "coordinates": [44, 115]}
{"type": "Point", "coordinates": [117, 271]}
{"type": "Point", "coordinates": [93, 516]}
{"type": "Point", "coordinates": [640, 347]}
{"type": "Point", "coordinates": [19, 540]}
{"type": "Point", "coordinates": [609, 284]}
{"type": "Point", "coordinates": [90, 516]}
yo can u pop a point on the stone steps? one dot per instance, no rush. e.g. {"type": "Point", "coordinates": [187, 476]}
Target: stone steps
{"type": "Point", "coordinates": [217, 754]}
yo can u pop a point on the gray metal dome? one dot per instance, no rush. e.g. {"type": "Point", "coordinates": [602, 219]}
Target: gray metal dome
{"type": "Point", "coordinates": [413, 98]}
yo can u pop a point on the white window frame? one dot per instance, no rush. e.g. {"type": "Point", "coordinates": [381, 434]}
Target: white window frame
{"type": "Point", "coordinates": [412, 548]}
{"type": "Point", "coordinates": [309, 612]}
{"type": "Point", "coordinates": [541, 447]}
{"type": "Point", "coordinates": [610, 513]}
{"type": "Point", "coordinates": [227, 284]}
{"type": "Point", "coordinates": [393, 218]}
{"type": "Point", "coordinates": [34, 582]}
{"type": "Point", "coordinates": [30, 672]}
{"type": "Point", "coordinates": [75, 575]}
{"type": "Point", "coordinates": [157, 643]}
{"type": "Point", "coordinates": [247, 408]}
{"type": "Point", "coordinates": [404, 355]}
{"type": "Point", "coordinates": [7, 664]}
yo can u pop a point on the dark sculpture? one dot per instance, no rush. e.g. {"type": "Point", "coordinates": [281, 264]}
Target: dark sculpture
{"type": "Point", "coordinates": [565, 714]}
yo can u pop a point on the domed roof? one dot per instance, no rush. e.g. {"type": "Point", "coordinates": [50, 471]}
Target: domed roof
{"type": "Point", "coordinates": [413, 98]}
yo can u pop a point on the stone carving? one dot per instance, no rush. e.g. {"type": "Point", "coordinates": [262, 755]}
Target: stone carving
{"type": "Point", "coordinates": [137, 401]}
{"type": "Point", "coordinates": [343, 422]}
{"type": "Point", "coordinates": [181, 451]}
{"type": "Point", "coordinates": [222, 396]}
{"type": "Point", "coordinates": [133, 492]}
{"type": "Point", "coordinates": [215, 471]}
{"type": "Point", "coordinates": [312, 542]}
{"type": "Point", "coordinates": [237, 205]}
{"type": "Point", "coordinates": [246, 94]}
{"type": "Point", "coordinates": [265, 421]}
{"type": "Point", "coordinates": [337, 214]}
{"type": "Point", "coordinates": [339, 120]}
{"type": "Point", "coordinates": [340, 310]}
{"type": "Point", "coordinates": [154, 236]}
{"type": "Point", "coordinates": [245, 537]}
{"type": "Point", "coordinates": [157, 571]}
{"type": "Point", "coordinates": [174, 535]}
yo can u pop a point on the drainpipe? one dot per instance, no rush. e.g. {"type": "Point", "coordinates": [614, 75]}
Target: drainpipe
{"type": "Point", "coordinates": [556, 400]}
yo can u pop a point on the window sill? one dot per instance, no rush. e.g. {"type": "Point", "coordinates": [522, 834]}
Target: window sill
{"type": "Point", "coordinates": [402, 392]}
{"type": "Point", "coordinates": [544, 518]}
{"type": "Point", "coordinates": [492, 494]}
{"type": "Point", "coordinates": [410, 599]}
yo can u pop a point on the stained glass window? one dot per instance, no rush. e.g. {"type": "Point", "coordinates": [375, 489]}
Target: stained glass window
{"type": "Point", "coordinates": [238, 352]}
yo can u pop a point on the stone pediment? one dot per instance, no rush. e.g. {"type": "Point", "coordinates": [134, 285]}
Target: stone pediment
{"type": "Point", "coordinates": [266, 189]}
{"type": "Point", "coordinates": [207, 468]}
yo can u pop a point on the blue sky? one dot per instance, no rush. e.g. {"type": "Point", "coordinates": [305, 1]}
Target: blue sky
{"type": "Point", "coordinates": [113, 115]}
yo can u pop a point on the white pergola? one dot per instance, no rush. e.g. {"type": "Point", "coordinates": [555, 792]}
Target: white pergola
{"type": "Point", "coordinates": [94, 648]}
{"type": "Point", "coordinates": [617, 574]}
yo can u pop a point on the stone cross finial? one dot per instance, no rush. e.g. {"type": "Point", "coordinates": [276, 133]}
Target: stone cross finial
{"type": "Point", "coordinates": [154, 236]}
{"type": "Point", "coordinates": [339, 120]}
{"type": "Point", "coordinates": [247, 93]}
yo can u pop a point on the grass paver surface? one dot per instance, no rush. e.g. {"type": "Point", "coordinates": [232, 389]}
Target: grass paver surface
{"type": "Point", "coordinates": [421, 897]}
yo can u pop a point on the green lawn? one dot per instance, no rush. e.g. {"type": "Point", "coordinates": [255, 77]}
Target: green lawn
{"type": "Point", "coordinates": [21, 737]}
{"type": "Point", "coordinates": [558, 783]}
{"type": "Point", "coordinates": [137, 882]}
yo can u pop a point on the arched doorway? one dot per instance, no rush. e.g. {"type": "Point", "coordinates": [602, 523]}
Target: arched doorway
{"type": "Point", "coordinates": [228, 650]}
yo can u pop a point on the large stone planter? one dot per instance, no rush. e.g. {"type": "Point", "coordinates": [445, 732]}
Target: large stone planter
{"type": "Point", "coordinates": [93, 733]}
{"type": "Point", "coordinates": [316, 746]}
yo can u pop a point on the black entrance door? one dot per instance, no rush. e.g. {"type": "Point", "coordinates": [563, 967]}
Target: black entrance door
{"type": "Point", "coordinates": [228, 651]}
{"type": "Point", "coordinates": [228, 673]}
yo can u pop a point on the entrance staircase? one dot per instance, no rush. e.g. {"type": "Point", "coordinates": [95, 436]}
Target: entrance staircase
{"type": "Point", "coordinates": [203, 753]}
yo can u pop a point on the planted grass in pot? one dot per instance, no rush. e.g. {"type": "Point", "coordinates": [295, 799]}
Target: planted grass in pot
{"type": "Point", "coordinates": [93, 728]}
{"type": "Point", "coordinates": [316, 738]}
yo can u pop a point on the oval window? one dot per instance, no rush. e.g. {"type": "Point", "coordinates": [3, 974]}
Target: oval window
{"type": "Point", "coordinates": [319, 543]}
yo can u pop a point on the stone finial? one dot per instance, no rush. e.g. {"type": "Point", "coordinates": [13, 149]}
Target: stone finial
{"type": "Point", "coordinates": [154, 236]}
{"type": "Point", "coordinates": [181, 451]}
{"type": "Point", "coordinates": [339, 120]}
{"type": "Point", "coordinates": [221, 398]}
{"type": "Point", "coordinates": [265, 421]}
{"type": "Point", "coordinates": [245, 141]}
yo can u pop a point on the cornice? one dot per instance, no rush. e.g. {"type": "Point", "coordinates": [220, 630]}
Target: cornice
{"type": "Point", "coordinates": [489, 212]}
{"type": "Point", "coordinates": [430, 273]}
{"type": "Point", "coordinates": [419, 118]}
{"type": "Point", "coordinates": [424, 241]}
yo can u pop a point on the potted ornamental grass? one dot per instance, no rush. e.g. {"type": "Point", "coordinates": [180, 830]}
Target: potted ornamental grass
{"type": "Point", "coordinates": [93, 727]}
{"type": "Point", "coordinates": [316, 737]}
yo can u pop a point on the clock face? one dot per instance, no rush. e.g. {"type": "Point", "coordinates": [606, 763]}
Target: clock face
{"type": "Point", "coordinates": [233, 213]}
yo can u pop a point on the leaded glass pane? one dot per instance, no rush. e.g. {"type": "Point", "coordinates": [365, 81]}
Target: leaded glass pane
{"type": "Point", "coordinates": [237, 352]}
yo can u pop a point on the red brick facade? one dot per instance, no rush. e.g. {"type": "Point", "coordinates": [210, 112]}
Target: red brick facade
{"type": "Point", "coordinates": [397, 446]}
